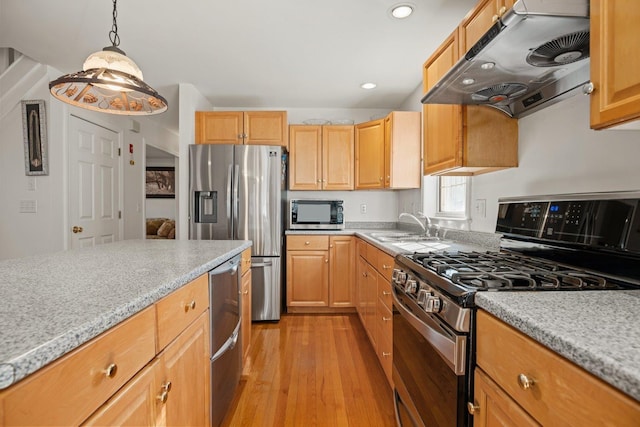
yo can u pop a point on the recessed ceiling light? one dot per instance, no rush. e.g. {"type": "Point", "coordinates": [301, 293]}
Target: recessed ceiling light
{"type": "Point", "coordinates": [401, 11]}
{"type": "Point", "coordinates": [368, 85]}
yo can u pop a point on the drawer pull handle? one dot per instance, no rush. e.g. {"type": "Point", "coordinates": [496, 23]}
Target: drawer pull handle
{"type": "Point", "coordinates": [386, 293]}
{"type": "Point", "coordinates": [385, 354]}
{"type": "Point", "coordinates": [472, 408]}
{"type": "Point", "coordinates": [191, 305]}
{"type": "Point", "coordinates": [164, 394]}
{"type": "Point", "coordinates": [386, 319]}
{"type": "Point", "coordinates": [525, 382]}
{"type": "Point", "coordinates": [111, 370]}
{"type": "Point", "coordinates": [385, 266]}
{"type": "Point", "coordinates": [246, 292]}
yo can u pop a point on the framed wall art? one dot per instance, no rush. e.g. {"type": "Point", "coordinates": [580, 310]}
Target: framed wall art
{"type": "Point", "coordinates": [160, 182]}
{"type": "Point", "coordinates": [34, 130]}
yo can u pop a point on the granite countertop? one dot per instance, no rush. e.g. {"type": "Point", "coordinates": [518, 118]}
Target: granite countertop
{"type": "Point", "coordinates": [597, 330]}
{"type": "Point", "coordinates": [51, 304]}
{"type": "Point", "coordinates": [453, 240]}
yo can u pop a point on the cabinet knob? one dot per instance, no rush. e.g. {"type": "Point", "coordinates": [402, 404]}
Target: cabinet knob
{"type": "Point", "coordinates": [111, 370]}
{"type": "Point", "coordinates": [246, 292]}
{"type": "Point", "coordinates": [326, 261]}
{"type": "Point", "coordinates": [588, 88]}
{"type": "Point", "coordinates": [502, 10]}
{"type": "Point", "coordinates": [380, 179]}
{"type": "Point", "coordinates": [191, 305]}
{"type": "Point", "coordinates": [77, 229]}
{"type": "Point", "coordinates": [525, 382]}
{"type": "Point", "coordinates": [472, 408]}
{"type": "Point", "coordinates": [494, 18]}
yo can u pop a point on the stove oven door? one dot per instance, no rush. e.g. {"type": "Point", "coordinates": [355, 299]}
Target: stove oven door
{"type": "Point", "coordinates": [428, 368]}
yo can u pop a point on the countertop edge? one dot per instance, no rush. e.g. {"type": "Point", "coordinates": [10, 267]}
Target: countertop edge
{"type": "Point", "coordinates": [18, 368]}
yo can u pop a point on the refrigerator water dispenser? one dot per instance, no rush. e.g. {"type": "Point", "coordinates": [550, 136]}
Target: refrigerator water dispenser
{"type": "Point", "coordinates": [206, 206]}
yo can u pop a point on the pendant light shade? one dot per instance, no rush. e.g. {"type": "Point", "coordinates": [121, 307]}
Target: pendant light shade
{"type": "Point", "coordinates": [109, 82]}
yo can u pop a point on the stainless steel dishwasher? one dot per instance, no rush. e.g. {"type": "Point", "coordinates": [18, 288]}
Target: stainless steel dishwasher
{"type": "Point", "coordinates": [226, 353]}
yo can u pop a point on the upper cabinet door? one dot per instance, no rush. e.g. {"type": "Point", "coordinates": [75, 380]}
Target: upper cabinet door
{"type": "Point", "coordinates": [266, 128]}
{"type": "Point", "coordinates": [337, 157]}
{"type": "Point", "coordinates": [370, 154]}
{"type": "Point", "coordinates": [219, 127]}
{"type": "Point", "coordinates": [615, 61]}
{"type": "Point", "coordinates": [306, 157]}
{"type": "Point", "coordinates": [442, 123]}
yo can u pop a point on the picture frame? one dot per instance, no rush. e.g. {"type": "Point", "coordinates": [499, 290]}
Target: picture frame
{"type": "Point", "coordinates": [160, 182]}
{"type": "Point", "coordinates": [34, 131]}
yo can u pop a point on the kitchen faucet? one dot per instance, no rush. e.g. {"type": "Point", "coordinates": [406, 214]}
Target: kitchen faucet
{"type": "Point", "coordinates": [425, 229]}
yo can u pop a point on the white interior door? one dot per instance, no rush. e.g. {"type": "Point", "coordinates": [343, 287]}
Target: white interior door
{"type": "Point", "coordinates": [94, 171]}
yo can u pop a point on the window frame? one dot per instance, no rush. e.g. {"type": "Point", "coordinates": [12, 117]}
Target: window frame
{"type": "Point", "coordinates": [466, 215]}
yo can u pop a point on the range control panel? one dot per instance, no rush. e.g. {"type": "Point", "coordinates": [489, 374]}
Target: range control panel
{"type": "Point", "coordinates": [598, 223]}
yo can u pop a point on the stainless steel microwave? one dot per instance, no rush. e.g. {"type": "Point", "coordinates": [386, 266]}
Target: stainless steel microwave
{"type": "Point", "coordinates": [314, 214]}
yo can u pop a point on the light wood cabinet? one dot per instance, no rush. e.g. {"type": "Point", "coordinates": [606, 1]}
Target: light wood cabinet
{"type": "Point", "coordinates": [172, 390]}
{"type": "Point", "coordinates": [494, 408]}
{"type": "Point", "coordinates": [242, 127]}
{"type": "Point", "coordinates": [245, 289]}
{"type": "Point", "coordinates": [463, 139]}
{"type": "Point", "coordinates": [374, 301]}
{"type": "Point", "coordinates": [321, 157]}
{"type": "Point", "coordinates": [342, 251]}
{"type": "Point", "coordinates": [320, 272]}
{"type": "Point", "coordinates": [479, 20]}
{"type": "Point", "coordinates": [551, 389]}
{"type": "Point", "coordinates": [307, 271]}
{"type": "Point", "coordinates": [118, 377]}
{"type": "Point", "coordinates": [388, 152]}
{"type": "Point", "coordinates": [615, 60]}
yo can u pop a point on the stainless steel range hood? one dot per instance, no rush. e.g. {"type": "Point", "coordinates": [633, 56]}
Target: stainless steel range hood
{"type": "Point", "coordinates": [535, 55]}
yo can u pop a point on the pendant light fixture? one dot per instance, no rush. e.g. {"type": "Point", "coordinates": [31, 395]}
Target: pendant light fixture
{"type": "Point", "coordinates": [109, 82]}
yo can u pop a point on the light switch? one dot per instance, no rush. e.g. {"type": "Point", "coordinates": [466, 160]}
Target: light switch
{"type": "Point", "coordinates": [481, 208]}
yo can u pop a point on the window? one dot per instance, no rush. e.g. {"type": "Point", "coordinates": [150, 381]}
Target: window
{"type": "Point", "coordinates": [453, 196]}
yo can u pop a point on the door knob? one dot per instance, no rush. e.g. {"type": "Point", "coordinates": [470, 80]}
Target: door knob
{"type": "Point", "coordinates": [76, 229]}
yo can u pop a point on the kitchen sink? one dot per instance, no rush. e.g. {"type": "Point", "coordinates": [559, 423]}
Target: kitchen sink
{"type": "Point", "coordinates": [395, 236]}
{"type": "Point", "coordinates": [408, 241]}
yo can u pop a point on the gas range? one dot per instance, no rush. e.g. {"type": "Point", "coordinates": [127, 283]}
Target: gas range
{"type": "Point", "coordinates": [572, 243]}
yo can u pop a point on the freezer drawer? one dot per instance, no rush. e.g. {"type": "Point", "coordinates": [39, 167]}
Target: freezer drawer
{"type": "Point", "coordinates": [266, 288]}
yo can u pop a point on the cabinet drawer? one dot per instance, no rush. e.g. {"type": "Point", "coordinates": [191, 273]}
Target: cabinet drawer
{"type": "Point", "coordinates": [561, 393]}
{"type": "Point", "coordinates": [384, 322]}
{"type": "Point", "coordinates": [176, 311]}
{"type": "Point", "coordinates": [307, 242]}
{"type": "Point", "coordinates": [371, 255]}
{"type": "Point", "coordinates": [384, 292]}
{"type": "Point", "coordinates": [385, 264]}
{"type": "Point", "coordinates": [361, 248]}
{"type": "Point", "coordinates": [385, 350]}
{"type": "Point", "coordinates": [72, 388]}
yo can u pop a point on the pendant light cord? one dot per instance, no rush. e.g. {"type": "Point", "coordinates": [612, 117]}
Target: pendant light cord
{"type": "Point", "coordinates": [113, 34]}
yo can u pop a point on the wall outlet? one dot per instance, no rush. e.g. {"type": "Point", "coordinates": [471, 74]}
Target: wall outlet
{"type": "Point", "coordinates": [481, 208]}
{"type": "Point", "coordinates": [363, 208]}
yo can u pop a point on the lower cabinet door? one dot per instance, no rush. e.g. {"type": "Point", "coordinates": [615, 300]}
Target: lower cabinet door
{"type": "Point", "coordinates": [494, 408]}
{"type": "Point", "coordinates": [185, 377]}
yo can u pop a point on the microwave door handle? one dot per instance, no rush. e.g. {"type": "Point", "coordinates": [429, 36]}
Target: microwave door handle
{"type": "Point", "coordinates": [236, 202]}
{"type": "Point", "coordinates": [229, 224]}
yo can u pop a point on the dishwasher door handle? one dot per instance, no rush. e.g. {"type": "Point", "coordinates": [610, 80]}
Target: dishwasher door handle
{"type": "Point", "coordinates": [229, 344]}
{"type": "Point", "coordinates": [262, 264]}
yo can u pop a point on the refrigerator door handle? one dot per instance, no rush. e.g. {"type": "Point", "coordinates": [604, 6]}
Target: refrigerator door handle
{"type": "Point", "coordinates": [262, 264]}
{"type": "Point", "coordinates": [229, 224]}
{"type": "Point", "coordinates": [236, 202]}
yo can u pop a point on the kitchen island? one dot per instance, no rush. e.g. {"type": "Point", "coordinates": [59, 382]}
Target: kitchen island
{"type": "Point", "coordinates": [52, 304]}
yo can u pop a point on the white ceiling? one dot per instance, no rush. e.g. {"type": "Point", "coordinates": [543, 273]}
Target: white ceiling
{"type": "Point", "coordinates": [245, 53]}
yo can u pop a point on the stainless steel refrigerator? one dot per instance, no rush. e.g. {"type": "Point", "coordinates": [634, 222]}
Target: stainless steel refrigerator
{"type": "Point", "coordinates": [236, 193]}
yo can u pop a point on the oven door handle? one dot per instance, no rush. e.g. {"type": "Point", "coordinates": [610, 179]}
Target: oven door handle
{"type": "Point", "coordinates": [451, 347]}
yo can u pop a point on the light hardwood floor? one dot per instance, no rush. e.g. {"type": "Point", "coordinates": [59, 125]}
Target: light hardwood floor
{"type": "Point", "coordinates": [312, 370]}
